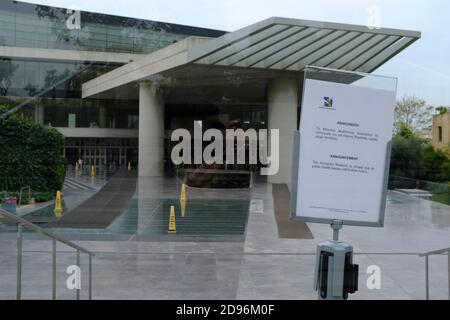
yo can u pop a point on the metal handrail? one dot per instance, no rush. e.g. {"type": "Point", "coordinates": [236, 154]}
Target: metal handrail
{"type": "Point", "coordinates": [24, 223]}
{"type": "Point", "coordinates": [427, 278]}
{"type": "Point", "coordinates": [21, 193]}
{"type": "Point", "coordinates": [431, 253]}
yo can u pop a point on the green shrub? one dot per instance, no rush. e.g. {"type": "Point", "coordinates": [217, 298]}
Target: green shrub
{"type": "Point", "coordinates": [30, 155]}
{"type": "Point", "coordinates": [413, 157]}
{"type": "Point", "coordinates": [406, 156]}
{"type": "Point", "coordinates": [436, 165]}
{"type": "Point", "coordinates": [43, 196]}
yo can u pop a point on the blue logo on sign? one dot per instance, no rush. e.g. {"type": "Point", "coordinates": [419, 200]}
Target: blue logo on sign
{"type": "Point", "coordinates": [328, 102]}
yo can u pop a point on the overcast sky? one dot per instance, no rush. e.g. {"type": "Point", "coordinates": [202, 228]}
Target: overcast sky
{"type": "Point", "coordinates": [423, 69]}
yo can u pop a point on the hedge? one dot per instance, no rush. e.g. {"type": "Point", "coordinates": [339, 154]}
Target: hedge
{"type": "Point", "coordinates": [30, 155]}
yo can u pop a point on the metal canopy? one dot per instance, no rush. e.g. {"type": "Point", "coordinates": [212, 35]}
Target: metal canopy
{"type": "Point", "coordinates": [274, 45]}
{"type": "Point", "coordinates": [291, 44]}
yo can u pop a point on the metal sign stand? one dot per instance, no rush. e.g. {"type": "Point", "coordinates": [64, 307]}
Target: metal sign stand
{"type": "Point", "coordinates": [336, 225]}
{"type": "Point", "coordinates": [335, 275]}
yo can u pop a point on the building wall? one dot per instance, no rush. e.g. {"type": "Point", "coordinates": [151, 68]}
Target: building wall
{"type": "Point", "coordinates": [43, 64]}
{"type": "Point", "coordinates": [441, 121]}
{"type": "Point", "coordinates": [48, 88]}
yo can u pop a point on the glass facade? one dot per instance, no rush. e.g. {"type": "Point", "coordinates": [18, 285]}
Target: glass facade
{"type": "Point", "coordinates": [25, 78]}
{"type": "Point", "coordinates": [102, 151]}
{"type": "Point", "coordinates": [36, 26]}
{"type": "Point", "coordinates": [49, 91]}
{"type": "Point", "coordinates": [55, 89]}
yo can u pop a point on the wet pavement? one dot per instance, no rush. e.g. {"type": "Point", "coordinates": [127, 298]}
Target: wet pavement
{"type": "Point", "coordinates": [263, 266]}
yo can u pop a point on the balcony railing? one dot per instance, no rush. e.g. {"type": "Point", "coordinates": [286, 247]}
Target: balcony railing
{"type": "Point", "coordinates": [427, 276]}
{"type": "Point", "coordinates": [22, 223]}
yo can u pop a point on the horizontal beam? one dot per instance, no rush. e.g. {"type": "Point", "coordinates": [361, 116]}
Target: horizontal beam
{"type": "Point", "coordinates": [66, 55]}
{"type": "Point", "coordinates": [159, 61]}
{"type": "Point", "coordinates": [98, 133]}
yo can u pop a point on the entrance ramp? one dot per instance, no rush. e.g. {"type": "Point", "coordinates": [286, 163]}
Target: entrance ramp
{"type": "Point", "coordinates": [99, 211]}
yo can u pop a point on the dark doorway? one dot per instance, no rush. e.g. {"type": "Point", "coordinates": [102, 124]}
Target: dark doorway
{"type": "Point", "coordinates": [72, 156]}
{"type": "Point", "coordinates": [132, 156]}
{"type": "Point", "coordinates": [113, 156]}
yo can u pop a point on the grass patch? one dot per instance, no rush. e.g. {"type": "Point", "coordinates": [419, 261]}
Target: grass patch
{"type": "Point", "coordinates": [442, 198]}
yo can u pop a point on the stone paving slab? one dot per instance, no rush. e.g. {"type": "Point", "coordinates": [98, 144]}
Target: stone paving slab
{"type": "Point", "coordinates": [262, 267]}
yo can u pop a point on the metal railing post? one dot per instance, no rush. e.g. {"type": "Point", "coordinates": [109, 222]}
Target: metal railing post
{"type": "Point", "coordinates": [19, 262]}
{"type": "Point", "coordinates": [54, 270]}
{"type": "Point", "coordinates": [78, 265]}
{"type": "Point", "coordinates": [427, 280]}
{"type": "Point", "coordinates": [427, 285]}
{"type": "Point", "coordinates": [90, 277]}
{"type": "Point", "coordinates": [448, 255]}
{"type": "Point", "coordinates": [21, 223]}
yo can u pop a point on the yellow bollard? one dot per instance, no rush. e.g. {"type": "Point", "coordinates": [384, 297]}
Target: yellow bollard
{"type": "Point", "coordinates": [183, 192]}
{"type": "Point", "coordinates": [92, 171]}
{"type": "Point", "coordinates": [172, 226]}
{"type": "Point", "coordinates": [183, 200]}
{"type": "Point", "coordinates": [58, 205]}
{"type": "Point", "coordinates": [129, 166]}
{"type": "Point", "coordinates": [183, 207]}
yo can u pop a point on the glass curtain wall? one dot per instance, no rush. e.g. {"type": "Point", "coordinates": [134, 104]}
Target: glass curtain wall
{"type": "Point", "coordinates": [37, 26]}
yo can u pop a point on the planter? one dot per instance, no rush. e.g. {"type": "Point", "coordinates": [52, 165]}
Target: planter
{"type": "Point", "coordinates": [10, 205]}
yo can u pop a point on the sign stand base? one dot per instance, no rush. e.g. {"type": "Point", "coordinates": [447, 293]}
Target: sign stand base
{"type": "Point", "coordinates": [336, 276]}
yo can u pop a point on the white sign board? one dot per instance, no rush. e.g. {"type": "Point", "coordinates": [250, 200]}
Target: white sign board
{"type": "Point", "coordinates": [342, 158]}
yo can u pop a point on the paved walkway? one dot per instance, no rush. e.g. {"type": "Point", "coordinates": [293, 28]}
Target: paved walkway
{"type": "Point", "coordinates": [103, 207]}
{"type": "Point", "coordinates": [262, 267]}
{"type": "Point", "coordinates": [287, 229]}
{"type": "Point", "coordinates": [76, 184]}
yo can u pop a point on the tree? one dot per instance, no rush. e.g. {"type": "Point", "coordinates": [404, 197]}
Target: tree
{"type": "Point", "coordinates": [406, 156]}
{"type": "Point", "coordinates": [412, 112]}
{"type": "Point", "coordinates": [442, 110]}
{"type": "Point", "coordinates": [405, 131]}
{"type": "Point", "coordinates": [415, 158]}
{"type": "Point", "coordinates": [436, 165]}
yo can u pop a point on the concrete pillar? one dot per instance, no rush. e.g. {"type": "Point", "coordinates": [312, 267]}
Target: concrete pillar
{"type": "Point", "coordinates": [282, 115]}
{"type": "Point", "coordinates": [151, 130]}
{"type": "Point", "coordinates": [39, 113]}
